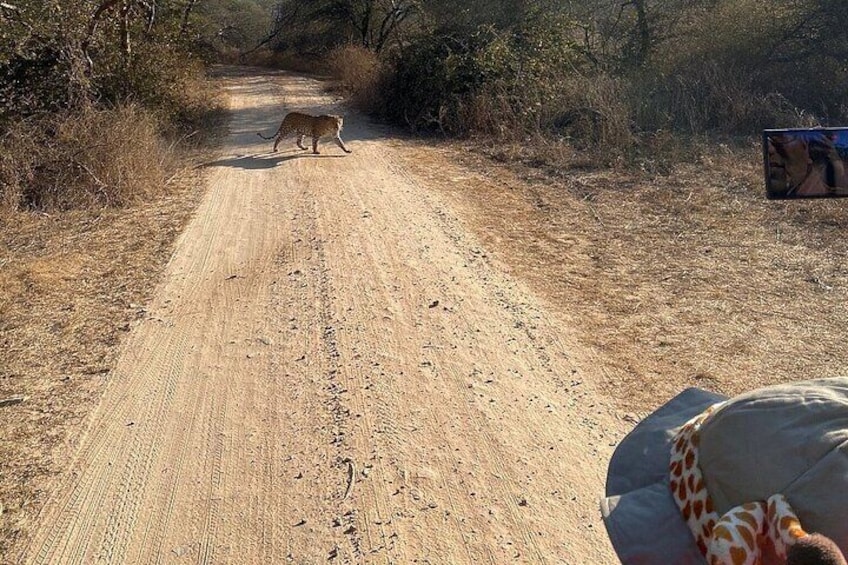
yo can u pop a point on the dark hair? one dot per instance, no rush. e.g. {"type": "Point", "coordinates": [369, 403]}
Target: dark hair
{"type": "Point", "coordinates": [820, 147]}
{"type": "Point", "coordinates": [815, 549]}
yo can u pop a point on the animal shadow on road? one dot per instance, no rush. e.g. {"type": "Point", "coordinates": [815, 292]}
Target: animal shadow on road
{"type": "Point", "coordinates": [263, 161]}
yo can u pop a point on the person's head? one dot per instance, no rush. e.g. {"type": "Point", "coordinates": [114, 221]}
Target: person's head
{"type": "Point", "coordinates": [815, 549]}
{"type": "Point", "coordinates": [789, 159]}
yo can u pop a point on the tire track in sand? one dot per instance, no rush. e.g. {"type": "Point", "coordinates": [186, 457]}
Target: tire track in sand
{"type": "Point", "coordinates": [332, 370]}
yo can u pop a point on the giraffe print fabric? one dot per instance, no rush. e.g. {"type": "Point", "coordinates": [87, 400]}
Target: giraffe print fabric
{"type": "Point", "coordinates": [687, 482]}
{"type": "Point", "coordinates": [742, 534]}
{"type": "Point", "coordinates": [789, 439]}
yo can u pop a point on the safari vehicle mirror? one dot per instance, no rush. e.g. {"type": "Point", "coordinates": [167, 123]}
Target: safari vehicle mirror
{"type": "Point", "coordinates": [806, 163]}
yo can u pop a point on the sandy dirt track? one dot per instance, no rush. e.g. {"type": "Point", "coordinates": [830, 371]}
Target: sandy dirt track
{"type": "Point", "coordinates": [335, 371]}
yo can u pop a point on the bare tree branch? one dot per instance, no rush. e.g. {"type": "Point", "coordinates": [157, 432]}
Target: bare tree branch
{"type": "Point", "coordinates": [393, 18]}
{"type": "Point", "coordinates": [16, 13]}
{"type": "Point", "coordinates": [92, 27]}
{"type": "Point", "coordinates": [279, 25]}
{"type": "Point", "coordinates": [125, 28]}
{"type": "Point", "coordinates": [150, 6]}
{"type": "Point", "coordinates": [186, 14]}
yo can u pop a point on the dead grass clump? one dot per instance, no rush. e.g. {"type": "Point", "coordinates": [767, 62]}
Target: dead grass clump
{"type": "Point", "coordinates": [579, 113]}
{"type": "Point", "coordinates": [494, 111]}
{"type": "Point", "coordinates": [93, 158]}
{"type": "Point", "coordinates": [200, 108]}
{"type": "Point", "coordinates": [593, 111]}
{"type": "Point", "coordinates": [73, 284]}
{"type": "Point", "coordinates": [710, 96]}
{"type": "Point", "coordinates": [359, 74]}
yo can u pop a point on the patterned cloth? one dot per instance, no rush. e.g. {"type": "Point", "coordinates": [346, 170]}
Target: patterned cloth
{"type": "Point", "coordinates": [790, 439]}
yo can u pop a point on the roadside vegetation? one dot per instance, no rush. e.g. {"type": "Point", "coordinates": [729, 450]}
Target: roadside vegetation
{"type": "Point", "coordinates": [592, 83]}
{"type": "Point", "coordinates": [93, 98]}
{"type": "Point", "coordinates": [104, 104]}
{"type": "Point", "coordinates": [103, 101]}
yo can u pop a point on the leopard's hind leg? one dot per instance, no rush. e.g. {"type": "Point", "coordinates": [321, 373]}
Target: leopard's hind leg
{"type": "Point", "coordinates": [300, 144]}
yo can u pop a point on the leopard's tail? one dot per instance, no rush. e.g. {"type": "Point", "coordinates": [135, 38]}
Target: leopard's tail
{"type": "Point", "coordinates": [276, 133]}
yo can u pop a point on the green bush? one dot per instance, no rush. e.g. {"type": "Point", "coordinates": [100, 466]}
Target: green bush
{"type": "Point", "coordinates": [477, 82]}
{"type": "Point", "coordinates": [530, 80]}
{"type": "Point", "coordinates": [433, 79]}
{"type": "Point", "coordinates": [171, 85]}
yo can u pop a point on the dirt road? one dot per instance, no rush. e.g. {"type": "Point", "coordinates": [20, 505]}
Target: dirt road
{"type": "Point", "coordinates": [334, 370]}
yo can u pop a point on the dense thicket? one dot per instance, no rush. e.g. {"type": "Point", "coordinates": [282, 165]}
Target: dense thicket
{"type": "Point", "coordinates": [81, 84]}
{"type": "Point", "coordinates": [64, 55]}
{"type": "Point", "coordinates": [593, 72]}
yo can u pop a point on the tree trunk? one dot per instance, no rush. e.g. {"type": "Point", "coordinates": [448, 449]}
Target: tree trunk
{"type": "Point", "coordinates": [643, 32]}
{"type": "Point", "coordinates": [186, 14]}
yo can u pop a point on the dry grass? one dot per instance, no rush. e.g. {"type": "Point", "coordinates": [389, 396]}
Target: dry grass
{"type": "Point", "coordinates": [357, 72]}
{"type": "Point", "coordinates": [91, 159]}
{"type": "Point", "coordinates": [669, 281]}
{"type": "Point", "coordinates": [103, 157]}
{"type": "Point", "coordinates": [90, 205]}
{"type": "Point", "coordinates": [705, 283]}
{"type": "Point", "coordinates": [72, 285]}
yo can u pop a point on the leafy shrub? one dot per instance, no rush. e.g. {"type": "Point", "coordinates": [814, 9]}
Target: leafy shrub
{"type": "Point", "coordinates": [459, 84]}
{"type": "Point", "coordinates": [435, 79]}
{"type": "Point", "coordinates": [168, 83]}
{"type": "Point", "coordinates": [528, 80]}
{"type": "Point", "coordinates": [47, 79]}
{"type": "Point", "coordinates": [84, 106]}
